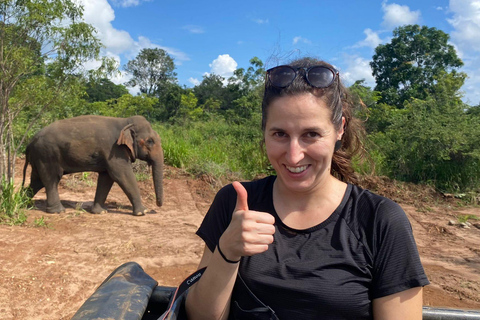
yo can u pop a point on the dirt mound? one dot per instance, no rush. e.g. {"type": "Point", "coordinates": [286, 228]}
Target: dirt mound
{"type": "Point", "coordinates": [53, 264]}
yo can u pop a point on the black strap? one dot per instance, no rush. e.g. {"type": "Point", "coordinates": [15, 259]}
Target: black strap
{"type": "Point", "coordinates": [194, 277]}
{"type": "Point", "coordinates": [184, 286]}
{"type": "Point", "coordinates": [272, 314]}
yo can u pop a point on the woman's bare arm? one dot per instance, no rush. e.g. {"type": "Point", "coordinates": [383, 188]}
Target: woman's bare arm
{"type": "Point", "coordinates": [403, 305]}
{"type": "Point", "coordinates": [210, 297]}
{"type": "Point", "coordinates": [249, 233]}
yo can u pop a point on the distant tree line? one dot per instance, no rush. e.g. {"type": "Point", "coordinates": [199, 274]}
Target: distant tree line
{"type": "Point", "coordinates": [419, 129]}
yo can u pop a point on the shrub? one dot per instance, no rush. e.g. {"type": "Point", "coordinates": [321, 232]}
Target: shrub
{"type": "Point", "coordinates": [12, 203]}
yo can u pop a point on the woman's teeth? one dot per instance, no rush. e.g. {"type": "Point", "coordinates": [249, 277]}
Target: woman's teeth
{"type": "Point", "coordinates": [296, 169]}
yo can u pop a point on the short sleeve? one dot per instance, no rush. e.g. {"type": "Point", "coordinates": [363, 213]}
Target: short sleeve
{"type": "Point", "coordinates": [397, 266]}
{"type": "Point", "coordinates": [218, 217]}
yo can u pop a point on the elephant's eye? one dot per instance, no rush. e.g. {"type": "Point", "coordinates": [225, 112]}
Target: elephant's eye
{"type": "Point", "coordinates": [150, 141]}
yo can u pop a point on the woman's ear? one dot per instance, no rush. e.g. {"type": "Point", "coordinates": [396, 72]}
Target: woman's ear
{"type": "Point", "coordinates": [127, 138]}
{"type": "Point", "coordinates": [342, 130]}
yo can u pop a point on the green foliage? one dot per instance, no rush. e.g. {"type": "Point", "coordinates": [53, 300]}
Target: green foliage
{"type": "Point", "coordinates": [211, 87]}
{"type": "Point", "coordinates": [150, 70]}
{"type": "Point", "coordinates": [215, 147]}
{"type": "Point", "coordinates": [407, 66]}
{"type": "Point", "coordinates": [169, 99]}
{"type": "Point", "coordinates": [433, 140]}
{"type": "Point", "coordinates": [44, 47]}
{"type": "Point", "coordinates": [103, 90]}
{"type": "Point", "coordinates": [40, 222]}
{"type": "Point", "coordinates": [12, 203]}
{"type": "Point", "coordinates": [125, 106]}
{"type": "Point", "coordinates": [188, 109]}
{"type": "Point", "coordinates": [465, 217]}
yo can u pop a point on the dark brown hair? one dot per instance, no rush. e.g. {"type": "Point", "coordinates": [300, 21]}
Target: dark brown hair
{"type": "Point", "coordinates": [338, 100]}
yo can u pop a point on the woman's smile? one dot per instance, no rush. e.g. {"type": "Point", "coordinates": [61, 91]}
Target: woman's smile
{"type": "Point", "coordinates": [296, 169]}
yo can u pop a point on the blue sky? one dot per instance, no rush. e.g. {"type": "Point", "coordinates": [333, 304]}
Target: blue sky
{"type": "Point", "coordinates": [217, 37]}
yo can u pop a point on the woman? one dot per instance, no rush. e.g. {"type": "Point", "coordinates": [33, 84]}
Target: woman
{"type": "Point", "coordinates": [308, 242]}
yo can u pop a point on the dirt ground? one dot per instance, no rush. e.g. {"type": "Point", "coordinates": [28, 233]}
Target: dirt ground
{"type": "Point", "coordinates": [51, 265]}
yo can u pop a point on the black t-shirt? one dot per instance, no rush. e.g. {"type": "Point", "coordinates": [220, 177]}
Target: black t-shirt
{"type": "Point", "coordinates": [364, 250]}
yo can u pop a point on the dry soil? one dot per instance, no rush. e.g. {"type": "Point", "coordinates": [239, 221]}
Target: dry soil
{"type": "Point", "coordinates": [53, 263]}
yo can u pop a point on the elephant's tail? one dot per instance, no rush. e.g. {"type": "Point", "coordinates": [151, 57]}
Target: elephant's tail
{"type": "Point", "coordinates": [25, 168]}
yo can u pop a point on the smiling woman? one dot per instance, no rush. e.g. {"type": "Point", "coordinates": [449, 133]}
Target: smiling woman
{"type": "Point", "coordinates": [308, 242]}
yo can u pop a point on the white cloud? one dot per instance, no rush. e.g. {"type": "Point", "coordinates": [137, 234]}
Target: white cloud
{"type": "Point", "coordinates": [372, 39]}
{"type": "Point", "coordinates": [194, 29]}
{"type": "Point", "coordinates": [144, 42]}
{"type": "Point", "coordinates": [223, 66]}
{"type": "Point", "coordinates": [128, 3]}
{"type": "Point", "coordinates": [118, 43]}
{"type": "Point", "coordinates": [194, 81]}
{"type": "Point", "coordinates": [466, 28]}
{"type": "Point", "coordinates": [300, 39]}
{"type": "Point", "coordinates": [260, 21]}
{"type": "Point", "coordinates": [357, 68]}
{"type": "Point", "coordinates": [100, 14]}
{"type": "Point", "coordinates": [396, 15]}
{"type": "Point", "coordinates": [466, 22]}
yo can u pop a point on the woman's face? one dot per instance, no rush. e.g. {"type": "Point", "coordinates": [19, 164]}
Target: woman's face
{"type": "Point", "coordinates": [300, 140]}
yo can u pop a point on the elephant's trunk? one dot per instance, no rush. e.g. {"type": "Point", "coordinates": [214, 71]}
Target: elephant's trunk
{"type": "Point", "coordinates": [157, 173]}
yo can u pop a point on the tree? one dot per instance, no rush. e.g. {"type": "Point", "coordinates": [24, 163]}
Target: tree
{"type": "Point", "coordinates": [124, 106]}
{"type": "Point", "coordinates": [170, 96]}
{"type": "Point", "coordinates": [43, 46]}
{"type": "Point", "coordinates": [150, 70]}
{"type": "Point", "coordinates": [407, 66]}
{"type": "Point", "coordinates": [245, 89]}
{"type": "Point", "coordinates": [250, 79]}
{"type": "Point", "coordinates": [103, 90]}
{"type": "Point", "coordinates": [211, 87]}
{"type": "Point", "coordinates": [434, 140]}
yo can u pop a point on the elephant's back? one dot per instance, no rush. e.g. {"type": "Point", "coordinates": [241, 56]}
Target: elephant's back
{"type": "Point", "coordinates": [82, 127]}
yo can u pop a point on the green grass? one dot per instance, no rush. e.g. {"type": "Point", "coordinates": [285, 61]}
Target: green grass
{"type": "Point", "coordinates": [40, 222]}
{"type": "Point", "coordinates": [464, 218]}
{"type": "Point", "coordinates": [215, 148]}
{"type": "Point", "coordinates": [13, 203]}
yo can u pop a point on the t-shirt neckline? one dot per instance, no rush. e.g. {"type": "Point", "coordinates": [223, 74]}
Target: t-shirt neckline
{"type": "Point", "coordinates": [333, 217]}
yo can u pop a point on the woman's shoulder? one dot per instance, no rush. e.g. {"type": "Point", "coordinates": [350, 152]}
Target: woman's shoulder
{"type": "Point", "coordinates": [257, 189]}
{"type": "Point", "coordinates": [368, 198]}
{"type": "Point", "coordinates": [367, 207]}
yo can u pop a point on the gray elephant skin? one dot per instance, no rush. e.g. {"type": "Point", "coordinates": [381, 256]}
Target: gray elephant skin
{"type": "Point", "coordinates": [100, 144]}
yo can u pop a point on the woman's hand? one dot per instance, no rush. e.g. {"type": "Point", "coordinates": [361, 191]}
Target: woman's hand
{"type": "Point", "coordinates": [249, 232]}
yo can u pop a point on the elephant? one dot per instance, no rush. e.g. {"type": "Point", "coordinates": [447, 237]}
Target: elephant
{"type": "Point", "coordinates": [106, 145]}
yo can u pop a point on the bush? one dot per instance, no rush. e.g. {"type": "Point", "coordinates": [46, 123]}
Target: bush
{"type": "Point", "coordinates": [215, 148]}
{"type": "Point", "coordinates": [12, 203]}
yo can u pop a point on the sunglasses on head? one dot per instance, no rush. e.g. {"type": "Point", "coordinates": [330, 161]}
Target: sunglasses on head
{"type": "Point", "coordinates": [316, 76]}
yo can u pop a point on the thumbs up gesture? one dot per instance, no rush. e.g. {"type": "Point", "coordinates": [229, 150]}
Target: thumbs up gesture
{"type": "Point", "coordinates": [250, 232]}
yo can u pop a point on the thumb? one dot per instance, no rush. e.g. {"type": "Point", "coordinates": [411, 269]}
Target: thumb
{"type": "Point", "coordinates": [242, 196]}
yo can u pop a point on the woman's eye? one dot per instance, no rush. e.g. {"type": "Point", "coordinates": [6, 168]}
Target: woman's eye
{"type": "Point", "coordinates": [280, 134]}
{"type": "Point", "coordinates": [312, 135]}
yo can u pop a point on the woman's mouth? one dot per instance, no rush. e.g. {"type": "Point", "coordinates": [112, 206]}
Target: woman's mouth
{"type": "Point", "coordinates": [296, 169]}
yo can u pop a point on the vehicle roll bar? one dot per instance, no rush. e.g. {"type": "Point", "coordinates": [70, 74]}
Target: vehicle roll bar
{"type": "Point", "coordinates": [161, 295]}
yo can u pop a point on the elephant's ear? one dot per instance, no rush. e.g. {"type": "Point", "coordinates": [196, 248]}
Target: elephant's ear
{"type": "Point", "coordinates": [127, 138]}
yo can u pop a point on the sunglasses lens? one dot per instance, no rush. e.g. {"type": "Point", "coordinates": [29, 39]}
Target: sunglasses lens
{"type": "Point", "coordinates": [281, 77]}
{"type": "Point", "coordinates": [320, 77]}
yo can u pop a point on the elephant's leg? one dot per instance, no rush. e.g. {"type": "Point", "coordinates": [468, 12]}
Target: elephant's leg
{"type": "Point", "coordinates": [53, 199]}
{"type": "Point", "coordinates": [35, 183]}
{"type": "Point", "coordinates": [104, 185]}
{"type": "Point", "coordinates": [50, 174]}
{"type": "Point", "coordinates": [127, 181]}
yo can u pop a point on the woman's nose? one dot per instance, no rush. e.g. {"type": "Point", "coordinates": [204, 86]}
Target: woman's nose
{"type": "Point", "coordinates": [294, 152]}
